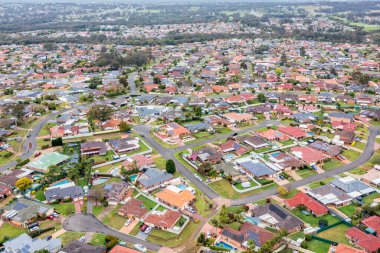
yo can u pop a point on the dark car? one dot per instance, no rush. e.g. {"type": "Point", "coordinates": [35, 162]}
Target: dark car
{"type": "Point", "coordinates": [234, 134]}
{"type": "Point", "coordinates": [144, 227]}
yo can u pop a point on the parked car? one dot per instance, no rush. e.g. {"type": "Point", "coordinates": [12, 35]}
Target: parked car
{"type": "Point", "coordinates": [234, 134]}
{"type": "Point", "coordinates": [50, 217]}
{"type": "Point", "coordinates": [147, 231]}
{"type": "Point", "coordinates": [143, 227]}
{"type": "Point", "coordinates": [82, 239]}
{"type": "Point", "coordinates": [128, 222]}
{"type": "Point", "coordinates": [37, 154]}
{"type": "Point", "coordinates": [140, 247]}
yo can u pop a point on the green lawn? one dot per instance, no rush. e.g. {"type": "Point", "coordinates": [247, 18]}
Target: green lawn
{"type": "Point", "coordinates": [351, 154]}
{"type": "Point", "coordinates": [102, 158]}
{"type": "Point", "coordinates": [64, 209]}
{"type": "Point", "coordinates": [318, 246]}
{"type": "Point", "coordinates": [70, 236]}
{"type": "Point", "coordinates": [96, 210]}
{"type": "Point", "coordinates": [46, 129]}
{"type": "Point", "coordinates": [6, 156]}
{"type": "Point", "coordinates": [172, 240]}
{"type": "Point", "coordinates": [105, 169]}
{"type": "Point", "coordinates": [320, 183]}
{"type": "Point", "coordinates": [288, 142]}
{"type": "Point", "coordinates": [148, 203]}
{"type": "Point", "coordinates": [114, 220]}
{"type": "Point", "coordinates": [360, 145]}
{"type": "Point", "coordinates": [332, 164]}
{"type": "Point", "coordinates": [160, 162]}
{"type": "Point", "coordinates": [297, 235]}
{"type": "Point", "coordinates": [304, 173]}
{"type": "Point", "coordinates": [348, 210]}
{"type": "Point", "coordinates": [240, 187]}
{"type": "Point", "coordinates": [290, 194]}
{"type": "Point", "coordinates": [328, 135]}
{"type": "Point", "coordinates": [358, 171]}
{"type": "Point", "coordinates": [40, 195]}
{"type": "Point", "coordinates": [369, 199]}
{"type": "Point", "coordinates": [313, 221]}
{"type": "Point", "coordinates": [7, 232]}
{"type": "Point", "coordinates": [98, 239]}
{"type": "Point", "coordinates": [375, 122]}
{"type": "Point", "coordinates": [336, 234]}
{"type": "Point", "coordinates": [160, 208]}
{"type": "Point", "coordinates": [136, 229]}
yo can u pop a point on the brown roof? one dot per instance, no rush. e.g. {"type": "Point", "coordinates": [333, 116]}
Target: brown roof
{"type": "Point", "coordinates": [134, 207]}
{"type": "Point", "coordinates": [167, 219]}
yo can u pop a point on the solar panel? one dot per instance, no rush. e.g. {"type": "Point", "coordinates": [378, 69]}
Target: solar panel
{"type": "Point", "coordinates": [19, 206]}
{"type": "Point", "coordinates": [254, 237]}
{"type": "Point", "coordinates": [278, 211]}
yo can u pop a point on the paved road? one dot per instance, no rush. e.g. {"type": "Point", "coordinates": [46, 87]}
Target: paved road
{"type": "Point", "coordinates": [30, 144]}
{"type": "Point", "coordinates": [89, 223]}
{"type": "Point", "coordinates": [131, 82]}
{"type": "Point", "coordinates": [169, 153]}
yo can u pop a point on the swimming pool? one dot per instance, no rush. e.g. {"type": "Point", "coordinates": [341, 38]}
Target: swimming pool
{"type": "Point", "coordinates": [253, 220]}
{"type": "Point", "coordinates": [100, 180]}
{"type": "Point", "coordinates": [229, 156]}
{"type": "Point", "coordinates": [275, 154]}
{"type": "Point", "coordinates": [182, 186]}
{"type": "Point", "coordinates": [65, 181]}
{"type": "Point", "coordinates": [133, 178]}
{"type": "Point", "coordinates": [224, 245]}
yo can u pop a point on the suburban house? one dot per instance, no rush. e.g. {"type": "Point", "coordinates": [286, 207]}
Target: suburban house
{"type": "Point", "coordinates": [199, 127]}
{"type": "Point", "coordinates": [5, 191]}
{"type": "Point", "coordinates": [164, 220]}
{"type": "Point", "coordinates": [215, 120]}
{"type": "Point", "coordinates": [277, 217]}
{"type": "Point", "coordinates": [138, 161]}
{"type": "Point", "coordinates": [238, 117]}
{"type": "Point", "coordinates": [46, 160]}
{"type": "Point", "coordinates": [121, 249]}
{"type": "Point", "coordinates": [294, 132]}
{"type": "Point", "coordinates": [330, 195]}
{"type": "Point", "coordinates": [207, 155]}
{"type": "Point", "coordinates": [175, 197]}
{"type": "Point", "coordinates": [239, 238]}
{"type": "Point", "coordinates": [328, 149]}
{"type": "Point", "coordinates": [273, 135]}
{"type": "Point", "coordinates": [26, 244]}
{"type": "Point", "coordinates": [367, 242]}
{"type": "Point", "coordinates": [125, 144]}
{"type": "Point", "coordinates": [153, 178]}
{"type": "Point", "coordinates": [344, 137]}
{"type": "Point", "coordinates": [372, 223]}
{"type": "Point", "coordinates": [285, 161]}
{"type": "Point", "coordinates": [255, 168]}
{"type": "Point", "coordinates": [116, 192]}
{"type": "Point", "coordinates": [308, 155]}
{"type": "Point", "coordinates": [343, 248]}
{"type": "Point", "coordinates": [231, 146]}
{"type": "Point", "coordinates": [22, 211]}
{"type": "Point", "coordinates": [134, 209]}
{"type": "Point", "coordinates": [63, 192]}
{"type": "Point", "coordinates": [93, 148]}
{"type": "Point", "coordinates": [254, 141]}
{"type": "Point", "coordinates": [311, 204]}
{"type": "Point", "coordinates": [353, 187]}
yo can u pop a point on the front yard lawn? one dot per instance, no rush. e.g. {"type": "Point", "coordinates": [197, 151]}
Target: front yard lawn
{"type": "Point", "coordinates": [148, 203]}
{"type": "Point", "coordinates": [332, 164]}
{"type": "Point", "coordinates": [96, 210]}
{"type": "Point", "coordinates": [360, 145]}
{"type": "Point", "coordinates": [114, 220]}
{"type": "Point", "coordinates": [70, 236]}
{"type": "Point", "coordinates": [40, 195]}
{"type": "Point", "coordinates": [320, 183]}
{"type": "Point", "coordinates": [64, 209]}
{"type": "Point", "coordinates": [98, 239]}
{"type": "Point", "coordinates": [240, 187]}
{"type": "Point", "coordinates": [172, 240]}
{"type": "Point", "coordinates": [313, 221]}
{"type": "Point", "coordinates": [369, 199]}
{"type": "Point", "coordinates": [7, 232]}
{"type": "Point", "coordinates": [304, 173]}
{"type": "Point", "coordinates": [358, 171]}
{"type": "Point", "coordinates": [348, 210]}
{"type": "Point", "coordinates": [351, 154]}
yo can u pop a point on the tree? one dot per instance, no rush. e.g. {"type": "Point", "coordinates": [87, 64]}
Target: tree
{"type": "Point", "coordinates": [96, 194]}
{"type": "Point", "coordinates": [198, 111]}
{"type": "Point", "coordinates": [111, 241]}
{"type": "Point", "coordinates": [124, 126]}
{"type": "Point", "coordinates": [42, 251]}
{"type": "Point", "coordinates": [16, 110]}
{"type": "Point", "coordinates": [302, 51]}
{"type": "Point", "coordinates": [94, 82]}
{"type": "Point", "coordinates": [123, 81]}
{"type": "Point", "coordinates": [23, 183]}
{"type": "Point", "coordinates": [282, 190]}
{"type": "Point", "coordinates": [100, 112]}
{"type": "Point", "coordinates": [73, 173]}
{"type": "Point", "coordinates": [170, 166]}
{"type": "Point", "coordinates": [261, 97]}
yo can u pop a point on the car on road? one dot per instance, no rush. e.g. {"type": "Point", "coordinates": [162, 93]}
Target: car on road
{"type": "Point", "coordinates": [142, 135]}
{"type": "Point", "coordinates": [28, 135]}
{"type": "Point", "coordinates": [234, 134]}
{"type": "Point", "coordinates": [147, 230]}
{"type": "Point", "coordinates": [140, 247]}
{"type": "Point", "coordinates": [37, 154]}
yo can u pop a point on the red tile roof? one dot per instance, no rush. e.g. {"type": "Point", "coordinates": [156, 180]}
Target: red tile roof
{"type": "Point", "coordinates": [295, 132]}
{"type": "Point", "coordinates": [311, 204]}
{"type": "Point", "coordinates": [366, 241]}
{"type": "Point", "coordinates": [373, 222]}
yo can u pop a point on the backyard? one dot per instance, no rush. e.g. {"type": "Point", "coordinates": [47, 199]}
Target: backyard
{"type": "Point", "coordinates": [332, 164]}
{"type": "Point", "coordinates": [336, 234]}
{"type": "Point", "coordinates": [148, 203]}
{"type": "Point", "coordinates": [8, 231]}
{"type": "Point", "coordinates": [114, 220]}
{"type": "Point", "coordinates": [351, 154]}
{"type": "Point", "coordinates": [314, 221]}
{"type": "Point", "coordinates": [348, 210]}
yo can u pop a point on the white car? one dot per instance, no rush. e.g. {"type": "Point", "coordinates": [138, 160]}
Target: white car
{"type": "Point", "coordinates": [82, 239]}
{"type": "Point", "coordinates": [140, 247]}
{"type": "Point", "coordinates": [147, 231]}
{"type": "Point", "coordinates": [128, 222]}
